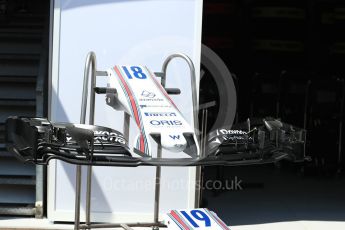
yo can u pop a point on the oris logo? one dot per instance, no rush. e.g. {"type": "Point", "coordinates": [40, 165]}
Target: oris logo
{"type": "Point", "coordinates": [166, 123]}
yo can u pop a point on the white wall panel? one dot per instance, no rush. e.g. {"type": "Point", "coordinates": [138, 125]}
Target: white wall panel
{"type": "Point", "coordinates": [140, 32]}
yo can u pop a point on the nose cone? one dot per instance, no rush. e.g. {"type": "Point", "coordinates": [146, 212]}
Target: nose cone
{"type": "Point", "coordinates": [174, 142]}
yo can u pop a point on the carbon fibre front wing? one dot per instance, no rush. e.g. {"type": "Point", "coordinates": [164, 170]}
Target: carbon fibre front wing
{"type": "Point", "coordinates": [38, 141]}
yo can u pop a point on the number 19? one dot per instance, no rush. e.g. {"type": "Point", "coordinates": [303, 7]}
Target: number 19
{"type": "Point", "coordinates": [198, 215]}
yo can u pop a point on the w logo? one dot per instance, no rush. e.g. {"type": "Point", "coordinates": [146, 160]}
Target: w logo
{"type": "Point", "coordinates": [175, 137]}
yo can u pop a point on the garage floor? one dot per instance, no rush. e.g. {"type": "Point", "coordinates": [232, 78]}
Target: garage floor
{"type": "Point", "coordinates": [270, 198]}
{"type": "Point", "coordinates": [272, 195]}
{"type": "Point", "coordinates": [34, 224]}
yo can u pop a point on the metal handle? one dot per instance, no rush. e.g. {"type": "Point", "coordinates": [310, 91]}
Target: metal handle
{"type": "Point", "coordinates": [90, 62]}
{"type": "Point", "coordinates": [193, 86]}
{"type": "Point", "coordinates": [193, 82]}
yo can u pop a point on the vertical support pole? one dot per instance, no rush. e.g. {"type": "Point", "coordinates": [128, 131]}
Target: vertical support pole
{"type": "Point", "coordinates": [90, 61]}
{"type": "Point", "coordinates": [202, 131]}
{"type": "Point", "coordinates": [88, 195]}
{"type": "Point", "coordinates": [157, 187]}
{"type": "Point", "coordinates": [203, 141]}
{"type": "Point", "coordinates": [91, 122]}
{"type": "Point", "coordinates": [195, 113]}
{"type": "Point", "coordinates": [158, 174]}
{"type": "Point", "coordinates": [126, 123]}
{"type": "Point", "coordinates": [77, 198]}
{"type": "Point", "coordinates": [204, 122]}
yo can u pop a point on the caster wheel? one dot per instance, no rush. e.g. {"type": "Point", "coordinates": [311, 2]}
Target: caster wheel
{"type": "Point", "coordinates": [155, 228]}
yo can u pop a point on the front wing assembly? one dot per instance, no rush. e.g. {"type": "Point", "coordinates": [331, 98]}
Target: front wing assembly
{"type": "Point", "coordinates": [38, 141]}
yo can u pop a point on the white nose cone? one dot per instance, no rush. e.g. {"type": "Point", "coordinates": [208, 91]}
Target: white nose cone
{"type": "Point", "coordinates": [174, 142]}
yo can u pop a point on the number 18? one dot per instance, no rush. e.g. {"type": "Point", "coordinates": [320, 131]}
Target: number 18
{"type": "Point", "coordinates": [136, 71]}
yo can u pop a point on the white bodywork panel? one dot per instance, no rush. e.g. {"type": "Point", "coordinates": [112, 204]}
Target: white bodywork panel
{"type": "Point", "coordinates": [156, 115]}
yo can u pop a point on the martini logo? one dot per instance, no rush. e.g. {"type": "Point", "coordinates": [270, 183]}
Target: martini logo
{"type": "Point", "coordinates": [148, 94]}
{"type": "Point", "coordinates": [160, 114]}
{"type": "Point", "coordinates": [166, 122]}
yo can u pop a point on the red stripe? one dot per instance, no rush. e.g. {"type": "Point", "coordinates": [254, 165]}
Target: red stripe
{"type": "Point", "coordinates": [222, 223]}
{"type": "Point", "coordinates": [175, 215]}
{"type": "Point", "coordinates": [162, 89]}
{"type": "Point", "coordinates": [219, 220]}
{"type": "Point", "coordinates": [135, 109]}
{"type": "Point", "coordinates": [142, 144]}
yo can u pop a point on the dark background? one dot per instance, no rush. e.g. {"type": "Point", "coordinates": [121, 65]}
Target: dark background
{"type": "Point", "coordinates": [288, 59]}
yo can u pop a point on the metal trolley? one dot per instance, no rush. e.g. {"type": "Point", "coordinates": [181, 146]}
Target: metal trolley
{"type": "Point", "coordinates": [92, 72]}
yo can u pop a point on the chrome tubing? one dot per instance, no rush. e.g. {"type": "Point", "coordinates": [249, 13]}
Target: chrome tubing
{"type": "Point", "coordinates": [195, 110]}
{"type": "Point", "coordinates": [90, 63]}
